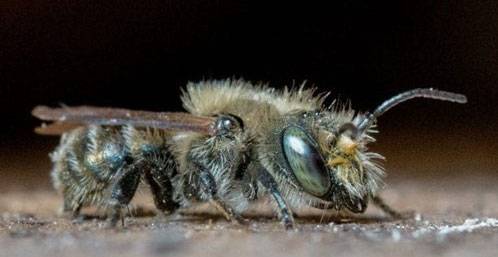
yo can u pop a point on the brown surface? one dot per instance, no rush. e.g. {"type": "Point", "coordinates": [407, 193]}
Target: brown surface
{"type": "Point", "coordinates": [448, 192]}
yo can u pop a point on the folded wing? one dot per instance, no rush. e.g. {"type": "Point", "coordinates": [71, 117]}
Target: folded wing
{"type": "Point", "coordinates": [67, 118]}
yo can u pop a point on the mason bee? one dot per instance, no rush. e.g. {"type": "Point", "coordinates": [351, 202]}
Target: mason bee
{"type": "Point", "coordinates": [236, 142]}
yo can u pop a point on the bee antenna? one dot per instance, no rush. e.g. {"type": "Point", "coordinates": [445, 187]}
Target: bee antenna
{"type": "Point", "coordinates": [431, 93]}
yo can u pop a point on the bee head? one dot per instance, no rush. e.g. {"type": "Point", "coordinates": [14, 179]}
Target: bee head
{"type": "Point", "coordinates": [328, 159]}
{"type": "Point", "coordinates": [327, 154]}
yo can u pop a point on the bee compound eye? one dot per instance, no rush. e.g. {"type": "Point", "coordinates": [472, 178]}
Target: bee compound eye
{"type": "Point", "coordinates": [307, 164]}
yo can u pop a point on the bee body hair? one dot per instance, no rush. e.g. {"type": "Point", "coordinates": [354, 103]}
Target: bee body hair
{"type": "Point", "coordinates": [238, 142]}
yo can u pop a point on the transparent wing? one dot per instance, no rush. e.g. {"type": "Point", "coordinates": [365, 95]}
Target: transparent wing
{"type": "Point", "coordinates": [67, 118]}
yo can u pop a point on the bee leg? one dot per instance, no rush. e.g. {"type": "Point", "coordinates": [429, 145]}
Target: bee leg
{"type": "Point", "coordinates": [162, 191]}
{"type": "Point", "coordinates": [223, 208]}
{"type": "Point", "coordinates": [285, 212]}
{"type": "Point", "coordinates": [67, 209]}
{"type": "Point", "coordinates": [68, 212]}
{"type": "Point", "coordinates": [122, 191]}
{"type": "Point", "coordinates": [379, 202]}
{"type": "Point", "coordinates": [208, 186]}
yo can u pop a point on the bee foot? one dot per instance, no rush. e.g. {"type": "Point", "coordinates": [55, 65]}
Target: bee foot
{"type": "Point", "coordinates": [239, 220]}
{"type": "Point", "coordinates": [405, 215]}
{"type": "Point", "coordinates": [288, 224]}
{"type": "Point", "coordinates": [111, 224]}
{"type": "Point", "coordinates": [113, 220]}
{"type": "Point", "coordinates": [169, 217]}
{"type": "Point", "coordinates": [79, 219]}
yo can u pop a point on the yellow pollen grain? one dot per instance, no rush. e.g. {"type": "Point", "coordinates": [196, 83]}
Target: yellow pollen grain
{"type": "Point", "coordinates": [347, 145]}
{"type": "Point", "coordinates": [336, 161]}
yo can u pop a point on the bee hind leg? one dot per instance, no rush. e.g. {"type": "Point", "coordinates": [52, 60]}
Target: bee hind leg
{"type": "Point", "coordinates": [162, 191]}
{"type": "Point", "coordinates": [122, 191]}
{"type": "Point", "coordinates": [69, 211]}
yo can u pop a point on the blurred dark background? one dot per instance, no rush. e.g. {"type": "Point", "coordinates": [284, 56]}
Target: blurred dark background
{"type": "Point", "coordinates": [138, 54]}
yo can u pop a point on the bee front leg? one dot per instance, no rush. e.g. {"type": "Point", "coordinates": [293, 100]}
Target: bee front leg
{"type": "Point", "coordinates": [123, 188]}
{"type": "Point", "coordinates": [285, 212]}
{"type": "Point", "coordinates": [379, 202]}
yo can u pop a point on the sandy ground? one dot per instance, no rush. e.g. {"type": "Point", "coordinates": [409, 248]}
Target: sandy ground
{"type": "Point", "coordinates": [448, 222]}
{"type": "Point", "coordinates": [456, 214]}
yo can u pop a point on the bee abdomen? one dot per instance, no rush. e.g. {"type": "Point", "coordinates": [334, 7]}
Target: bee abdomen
{"type": "Point", "coordinates": [84, 163]}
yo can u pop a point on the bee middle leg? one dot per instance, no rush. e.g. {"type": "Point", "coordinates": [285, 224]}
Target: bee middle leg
{"type": "Point", "coordinates": [215, 161]}
{"type": "Point", "coordinates": [207, 184]}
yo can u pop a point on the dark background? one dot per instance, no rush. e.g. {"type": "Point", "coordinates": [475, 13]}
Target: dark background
{"type": "Point", "coordinates": [137, 54]}
{"type": "Point", "coordinates": [441, 157]}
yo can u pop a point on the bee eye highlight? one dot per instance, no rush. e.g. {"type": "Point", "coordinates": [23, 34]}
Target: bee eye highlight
{"type": "Point", "coordinates": [306, 162]}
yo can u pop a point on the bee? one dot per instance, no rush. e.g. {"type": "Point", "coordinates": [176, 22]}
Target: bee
{"type": "Point", "coordinates": [236, 143]}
